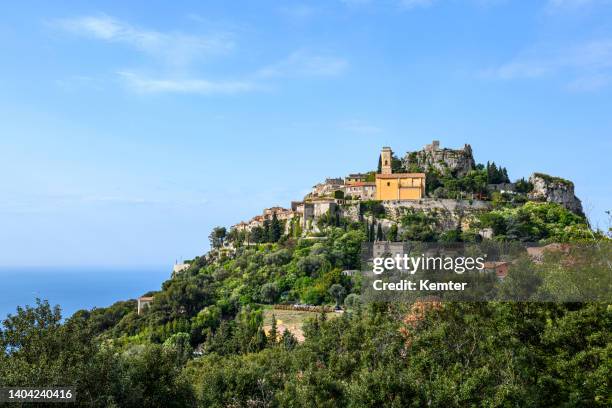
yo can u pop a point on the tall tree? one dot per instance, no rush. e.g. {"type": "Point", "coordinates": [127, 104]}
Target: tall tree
{"type": "Point", "coordinates": [273, 333]}
{"type": "Point", "coordinates": [275, 231]}
{"type": "Point", "coordinates": [371, 234]}
{"type": "Point", "coordinates": [217, 237]}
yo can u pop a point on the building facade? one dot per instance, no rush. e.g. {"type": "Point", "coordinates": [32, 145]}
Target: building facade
{"type": "Point", "coordinates": [355, 178]}
{"type": "Point", "coordinates": [362, 190]}
{"type": "Point", "coordinates": [397, 186]}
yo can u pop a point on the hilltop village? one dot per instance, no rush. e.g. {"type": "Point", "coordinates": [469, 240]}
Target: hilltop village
{"type": "Point", "coordinates": [438, 181]}
{"type": "Point", "coordinates": [279, 312]}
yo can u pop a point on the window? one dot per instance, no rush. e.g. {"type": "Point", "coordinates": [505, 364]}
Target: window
{"type": "Point", "coordinates": [388, 183]}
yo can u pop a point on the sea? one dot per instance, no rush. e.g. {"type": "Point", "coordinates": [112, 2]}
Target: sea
{"type": "Point", "coordinates": [76, 288]}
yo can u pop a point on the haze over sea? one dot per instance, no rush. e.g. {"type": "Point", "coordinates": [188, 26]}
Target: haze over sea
{"type": "Point", "coordinates": [75, 288]}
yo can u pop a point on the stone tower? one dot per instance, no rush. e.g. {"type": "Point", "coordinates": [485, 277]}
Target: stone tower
{"type": "Point", "coordinates": [385, 160]}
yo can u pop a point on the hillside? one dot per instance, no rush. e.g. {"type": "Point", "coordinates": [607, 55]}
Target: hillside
{"type": "Point", "coordinates": [203, 341]}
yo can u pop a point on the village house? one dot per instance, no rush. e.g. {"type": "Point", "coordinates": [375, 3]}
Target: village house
{"type": "Point", "coordinates": [179, 267]}
{"type": "Point", "coordinates": [143, 302]}
{"type": "Point", "coordinates": [362, 190]}
{"type": "Point", "coordinates": [355, 178]}
{"type": "Point", "coordinates": [327, 188]}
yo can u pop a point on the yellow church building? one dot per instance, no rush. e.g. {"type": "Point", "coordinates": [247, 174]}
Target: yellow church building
{"type": "Point", "coordinates": [397, 186]}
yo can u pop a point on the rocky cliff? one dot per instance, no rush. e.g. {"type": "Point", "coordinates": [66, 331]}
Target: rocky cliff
{"type": "Point", "coordinates": [457, 161]}
{"type": "Point", "coordinates": [555, 190]}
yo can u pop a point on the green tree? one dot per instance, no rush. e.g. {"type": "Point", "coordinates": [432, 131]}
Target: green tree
{"type": "Point", "coordinates": [273, 333]}
{"type": "Point", "coordinates": [217, 237]}
{"type": "Point", "coordinates": [392, 233]}
{"type": "Point", "coordinates": [337, 292]}
{"type": "Point", "coordinates": [275, 229]}
{"type": "Point", "coordinates": [269, 292]}
{"type": "Point", "coordinates": [258, 235]}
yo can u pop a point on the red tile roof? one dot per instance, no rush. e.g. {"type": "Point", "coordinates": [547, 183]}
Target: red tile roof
{"type": "Point", "coordinates": [400, 175]}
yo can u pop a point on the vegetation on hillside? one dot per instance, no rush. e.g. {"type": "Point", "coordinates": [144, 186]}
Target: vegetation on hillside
{"type": "Point", "coordinates": [202, 342]}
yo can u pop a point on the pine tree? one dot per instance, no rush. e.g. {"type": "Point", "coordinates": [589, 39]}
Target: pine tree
{"type": "Point", "coordinates": [288, 340]}
{"type": "Point", "coordinates": [505, 175]}
{"type": "Point", "coordinates": [371, 234]}
{"type": "Point", "coordinates": [379, 233]}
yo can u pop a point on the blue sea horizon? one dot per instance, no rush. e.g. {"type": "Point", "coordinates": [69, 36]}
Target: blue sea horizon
{"type": "Point", "coordinates": [76, 288]}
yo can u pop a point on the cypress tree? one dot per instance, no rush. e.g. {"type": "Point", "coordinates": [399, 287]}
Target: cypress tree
{"type": "Point", "coordinates": [274, 230]}
{"type": "Point", "coordinates": [273, 334]}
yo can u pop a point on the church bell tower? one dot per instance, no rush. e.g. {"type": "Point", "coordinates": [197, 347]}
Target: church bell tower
{"type": "Point", "coordinates": [385, 160]}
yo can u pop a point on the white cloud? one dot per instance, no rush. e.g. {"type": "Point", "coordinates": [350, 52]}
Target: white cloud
{"type": "Point", "coordinates": [143, 84]}
{"type": "Point", "coordinates": [173, 47]}
{"type": "Point", "coordinates": [303, 63]}
{"type": "Point", "coordinates": [180, 51]}
{"type": "Point", "coordinates": [588, 66]}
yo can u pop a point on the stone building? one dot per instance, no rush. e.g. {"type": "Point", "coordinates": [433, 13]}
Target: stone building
{"type": "Point", "coordinates": [355, 178]}
{"type": "Point", "coordinates": [327, 188]}
{"type": "Point", "coordinates": [144, 302]}
{"type": "Point", "coordinates": [397, 186]}
{"type": "Point", "coordinates": [362, 190]}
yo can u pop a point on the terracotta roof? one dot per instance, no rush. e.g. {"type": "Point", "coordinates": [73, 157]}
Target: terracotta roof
{"type": "Point", "coordinates": [363, 184]}
{"type": "Point", "coordinates": [400, 175]}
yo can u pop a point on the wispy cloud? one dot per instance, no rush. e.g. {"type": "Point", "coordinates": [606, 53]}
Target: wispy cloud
{"type": "Point", "coordinates": [144, 84]}
{"type": "Point", "coordinates": [588, 66]}
{"type": "Point", "coordinates": [178, 51]}
{"type": "Point", "coordinates": [303, 63]}
{"type": "Point", "coordinates": [173, 47]}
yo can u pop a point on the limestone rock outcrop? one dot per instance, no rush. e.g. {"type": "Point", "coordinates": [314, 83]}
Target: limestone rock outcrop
{"type": "Point", "coordinates": [555, 190]}
{"type": "Point", "coordinates": [458, 161]}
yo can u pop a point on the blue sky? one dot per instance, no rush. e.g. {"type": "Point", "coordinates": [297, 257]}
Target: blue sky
{"type": "Point", "coordinates": [129, 129]}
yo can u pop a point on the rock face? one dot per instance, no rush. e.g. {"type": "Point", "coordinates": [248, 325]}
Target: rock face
{"type": "Point", "coordinates": [457, 161]}
{"type": "Point", "coordinates": [448, 213]}
{"type": "Point", "coordinates": [555, 190]}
